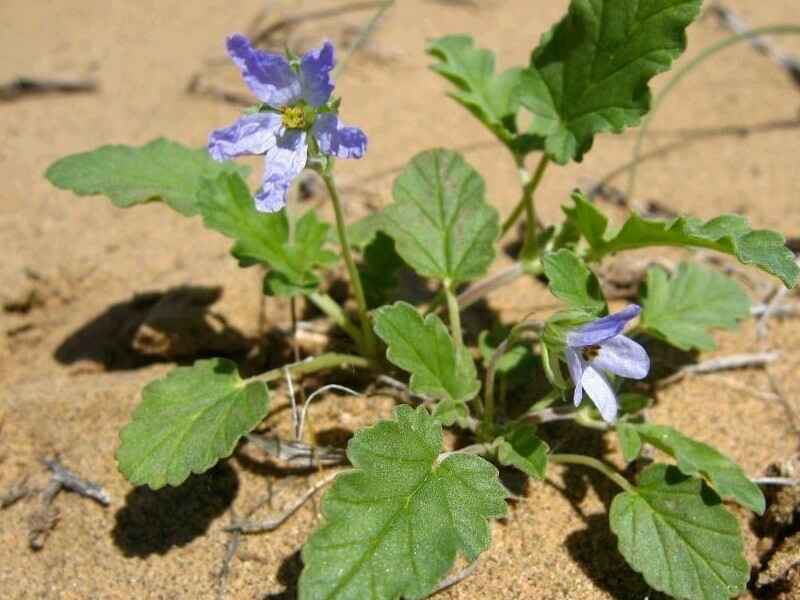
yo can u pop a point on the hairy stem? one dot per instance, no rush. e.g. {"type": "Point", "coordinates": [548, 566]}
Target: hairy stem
{"type": "Point", "coordinates": [593, 463]}
{"type": "Point", "coordinates": [454, 314]}
{"type": "Point", "coordinates": [369, 342]}
{"type": "Point", "coordinates": [529, 185]}
{"type": "Point", "coordinates": [336, 313]}
{"type": "Point", "coordinates": [331, 360]}
{"type": "Point", "coordinates": [529, 248]}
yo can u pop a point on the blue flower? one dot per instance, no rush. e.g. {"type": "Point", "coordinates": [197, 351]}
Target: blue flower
{"type": "Point", "coordinates": [295, 105]}
{"type": "Point", "coordinates": [599, 347]}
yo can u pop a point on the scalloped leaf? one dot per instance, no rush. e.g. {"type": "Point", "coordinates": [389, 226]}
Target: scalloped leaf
{"type": "Point", "coordinates": [440, 221]}
{"type": "Point", "coordinates": [675, 531]}
{"type": "Point", "coordinates": [263, 238]}
{"type": "Point", "coordinates": [160, 170]}
{"type": "Point", "coordinates": [730, 234]}
{"type": "Point", "coordinates": [699, 459]}
{"type": "Point", "coordinates": [393, 526]}
{"type": "Point", "coordinates": [682, 309]}
{"type": "Point", "coordinates": [590, 73]}
{"type": "Point", "coordinates": [187, 421]}
{"type": "Point", "coordinates": [424, 348]}
{"type": "Point", "coordinates": [572, 282]}
{"type": "Point", "coordinates": [491, 98]}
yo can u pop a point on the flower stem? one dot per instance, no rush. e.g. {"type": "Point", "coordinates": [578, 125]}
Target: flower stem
{"type": "Point", "coordinates": [455, 315]}
{"type": "Point", "coordinates": [370, 344]}
{"type": "Point", "coordinates": [330, 360]}
{"type": "Point", "coordinates": [529, 185]}
{"type": "Point", "coordinates": [593, 463]}
{"type": "Point", "coordinates": [332, 309]}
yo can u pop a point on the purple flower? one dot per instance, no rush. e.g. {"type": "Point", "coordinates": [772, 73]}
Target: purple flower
{"type": "Point", "coordinates": [600, 346]}
{"type": "Point", "coordinates": [295, 105]}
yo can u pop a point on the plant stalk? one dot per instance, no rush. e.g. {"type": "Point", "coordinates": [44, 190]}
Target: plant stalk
{"type": "Point", "coordinates": [454, 314]}
{"type": "Point", "coordinates": [334, 311]}
{"type": "Point", "coordinates": [593, 463]}
{"type": "Point", "coordinates": [529, 186]}
{"type": "Point", "coordinates": [370, 343]}
{"type": "Point", "coordinates": [329, 360]}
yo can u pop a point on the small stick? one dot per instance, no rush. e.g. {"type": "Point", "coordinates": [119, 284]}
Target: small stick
{"type": "Point", "coordinates": [724, 363]}
{"type": "Point", "coordinates": [28, 86]}
{"type": "Point", "coordinates": [785, 310]}
{"type": "Point", "coordinates": [231, 548]}
{"type": "Point", "coordinates": [737, 25]}
{"type": "Point", "coordinates": [454, 579]}
{"type": "Point", "coordinates": [775, 481]}
{"type": "Point", "coordinates": [15, 493]}
{"type": "Point", "coordinates": [297, 453]}
{"type": "Point", "coordinates": [762, 327]}
{"type": "Point", "coordinates": [275, 522]}
{"type": "Point", "coordinates": [74, 483]}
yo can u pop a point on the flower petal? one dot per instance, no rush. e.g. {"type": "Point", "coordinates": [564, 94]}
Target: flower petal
{"type": "Point", "coordinates": [575, 365]}
{"type": "Point", "coordinates": [601, 393]}
{"type": "Point", "coordinates": [284, 161]}
{"type": "Point", "coordinates": [269, 76]}
{"type": "Point", "coordinates": [603, 329]}
{"type": "Point", "coordinates": [315, 68]}
{"type": "Point", "coordinates": [335, 139]}
{"type": "Point", "coordinates": [252, 134]}
{"type": "Point", "coordinates": [624, 357]}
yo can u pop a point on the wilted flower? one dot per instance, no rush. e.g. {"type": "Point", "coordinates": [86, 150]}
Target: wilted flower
{"type": "Point", "coordinates": [296, 102]}
{"type": "Point", "coordinates": [597, 347]}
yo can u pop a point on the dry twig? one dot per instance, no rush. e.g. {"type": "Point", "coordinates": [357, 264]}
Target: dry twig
{"type": "Point", "coordinates": [733, 22]}
{"type": "Point", "coordinates": [231, 548]}
{"type": "Point", "coordinates": [456, 578]}
{"type": "Point", "coordinates": [18, 490]}
{"type": "Point", "coordinates": [298, 454]}
{"type": "Point", "coordinates": [30, 86]}
{"type": "Point", "coordinates": [723, 363]}
{"type": "Point", "coordinates": [275, 522]}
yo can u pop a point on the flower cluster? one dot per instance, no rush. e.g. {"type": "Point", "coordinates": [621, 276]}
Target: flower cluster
{"type": "Point", "coordinates": [599, 347]}
{"type": "Point", "coordinates": [296, 106]}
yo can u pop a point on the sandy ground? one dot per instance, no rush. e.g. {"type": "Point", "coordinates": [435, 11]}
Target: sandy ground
{"type": "Point", "coordinates": [83, 285]}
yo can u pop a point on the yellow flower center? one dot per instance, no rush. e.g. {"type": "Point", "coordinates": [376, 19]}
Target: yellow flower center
{"type": "Point", "coordinates": [294, 117]}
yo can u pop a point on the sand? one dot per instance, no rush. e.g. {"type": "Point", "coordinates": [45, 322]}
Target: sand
{"type": "Point", "coordinates": [81, 281]}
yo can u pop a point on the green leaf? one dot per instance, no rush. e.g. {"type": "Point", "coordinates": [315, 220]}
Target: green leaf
{"type": "Point", "coordinates": [571, 280]}
{"type": "Point", "coordinates": [159, 170]}
{"type": "Point", "coordinates": [523, 449]}
{"type": "Point", "coordinates": [682, 309]}
{"type": "Point", "coordinates": [675, 531]}
{"type": "Point", "coordinates": [629, 441]}
{"type": "Point", "coordinates": [362, 232]}
{"type": "Point", "coordinates": [379, 270]}
{"type": "Point", "coordinates": [425, 349]}
{"type": "Point", "coordinates": [227, 207]}
{"type": "Point", "coordinates": [440, 222]}
{"type": "Point", "coordinates": [489, 97]}
{"type": "Point", "coordinates": [394, 525]}
{"type": "Point", "coordinates": [730, 234]}
{"type": "Point", "coordinates": [697, 458]}
{"type": "Point", "coordinates": [590, 72]}
{"type": "Point", "coordinates": [187, 421]}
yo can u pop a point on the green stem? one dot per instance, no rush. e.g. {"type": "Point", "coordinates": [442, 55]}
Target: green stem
{"type": "Point", "coordinates": [332, 309]}
{"type": "Point", "coordinates": [370, 343]}
{"type": "Point", "coordinates": [330, 360]}
{"type": "Point", "coordinates": [593, 463]}
{"type": "Point", "coordinates": [529, 185]}
{"type": "Point", "coordinates": [529, 248]}
{"type": "Point", "coordinates": [682, 72]}
{"type": "Point", "coordinates": [455, 315]}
